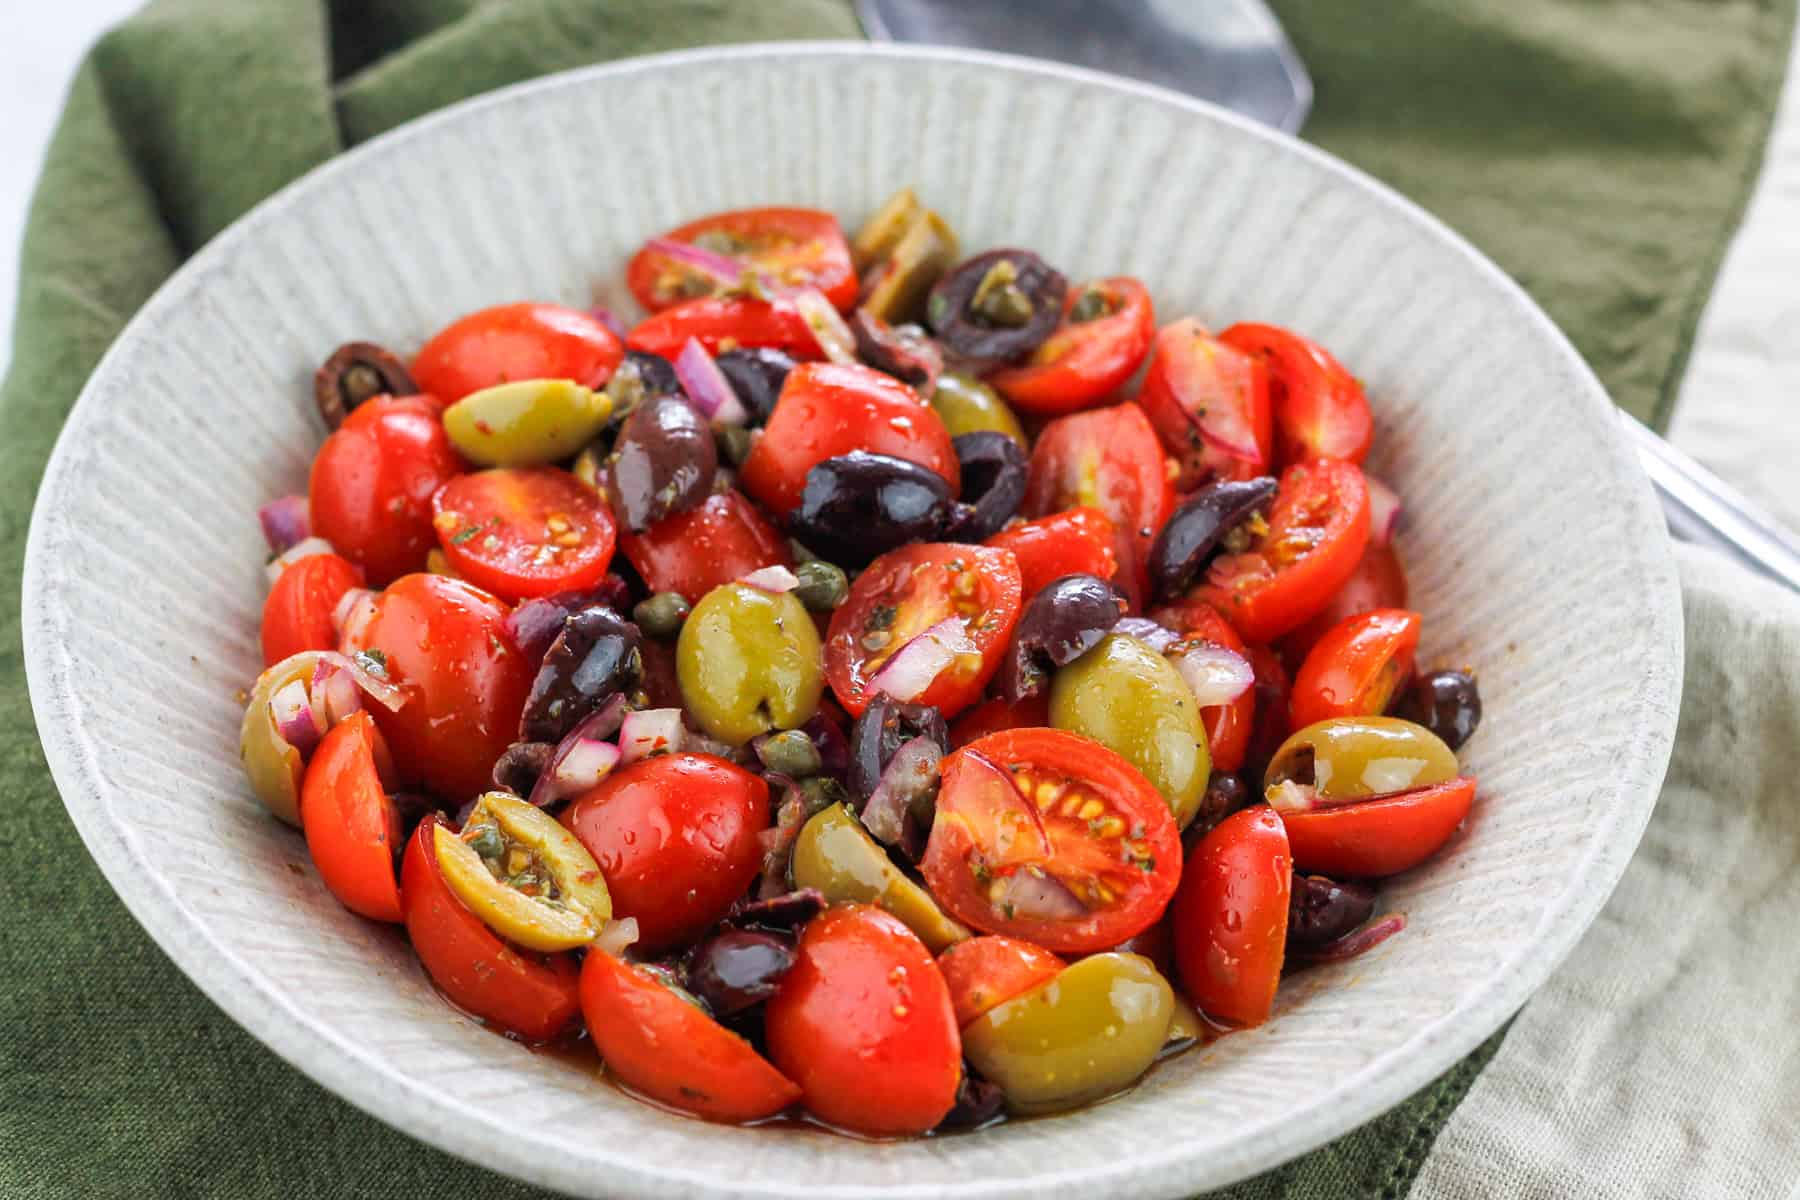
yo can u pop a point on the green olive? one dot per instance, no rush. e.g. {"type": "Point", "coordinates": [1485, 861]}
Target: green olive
{"type": "Point", "coordinates": [749, 661]}
{"type": "Point", "coordinates": [525, 422]}
{"type": "Point", "coordinates": [925, 251]}
{"type": "Point", "coordinates": [1131, 700]}
{"type": "Point", "coordinates": [273, 766]}
{"type": "Point", "coordinates": [1347, 757]}
{"type": "Point", "coordinates": [1090, 1031]}
{"type": "Point", "coordinates": [967, 405]}
{"type": "Point", "coordinates": [882, 232]}
{"type": "Point", "coordinates": [835, 854]}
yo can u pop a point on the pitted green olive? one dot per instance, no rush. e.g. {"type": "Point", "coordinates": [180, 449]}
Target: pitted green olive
{"type": "Point", "coordinates": [836, 855]}
{"type": "Point", "coordinates": [919, 259]}
{"type": "Point", "coordinates": [749, 661]}
{"type": "Point", "coordinates": [1346, 757]}
{"type": "Point", "coordinates": [526, 422]}
{"type": "Point", "coordinates": [882, 232]}
{"type": "Point", "coordinates": [967, 405]}
{"type": "Point", "coordinates": [528, 878]}
{"type": "Point", "coordinates": [274, 767]}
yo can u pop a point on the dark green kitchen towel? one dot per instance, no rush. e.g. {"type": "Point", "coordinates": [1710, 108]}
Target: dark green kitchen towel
{"type": "Point", "coordinates": [1599, 152]}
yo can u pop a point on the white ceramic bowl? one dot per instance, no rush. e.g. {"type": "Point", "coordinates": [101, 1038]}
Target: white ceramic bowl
{"type": "Point", "coordinates": [1536, 553]}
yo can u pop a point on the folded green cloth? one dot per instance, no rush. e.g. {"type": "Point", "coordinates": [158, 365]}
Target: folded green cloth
{"type": "Point", "coordinates": [1599, 153]}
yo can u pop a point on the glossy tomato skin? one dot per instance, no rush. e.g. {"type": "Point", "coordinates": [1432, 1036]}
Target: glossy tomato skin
{"type": "Point", "coordinates": [297, 614]}
{"type": "Point", "coordinates": [516, 341]}
{"type": "Point", "coordinates": [864, 1024]}
{"type": "Point", "coordinates": [445, 644]}
{"type": "Point", "coordinates": [986, 971]}
{"type": "Point", "coordinates": [1231, 914]}
{"type": "Point", "coordinates": [1383, 836]}
{"type": "Point", "coordinates": [1209, 403]}
{"type": "Point", "coordinates": [1356, 668]}
{"type": "Point", "coordinates": [1228, 726]}
{"type": "Point", "coordinates": [722, 539]}
{"type": "Point", "coordinates": [799, 247]}
{"type": "Point", "coordinates": [521, 532]}
{"type": "Point", "coordinates": [533, 996]}
{"type": "Point", "coordinates": [371, 485]}
{"type": "Point", "coordinates": [676, 838]}
{"type": "Point", "coordinates": [826, 410]}
{"type": "Point", "coordinates": [994, 715]}
{"type": "Point", "coordinates": [1081, 364]}
{"type": "Point", "coordinates": [1319, 408]}
{"type": "Point", "coordinates": [352, 828]}
{"type": "Point", "coordinates": [1077, 541]}
{"type": "Point", "coordinates": [657, 1043]}
{"type": "Point", "coordinates": [725, 323]}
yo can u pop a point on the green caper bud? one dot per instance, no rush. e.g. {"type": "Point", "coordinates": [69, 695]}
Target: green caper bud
{"type": "Point", "coordinates": [820, 793]}
{"type": "Point", "coordinates": [822, 585]}
{"type": "Point", "coordinates": [734, 443]}
{"type": "Point", "coordinates": [661, 615]}
{"type": "Point", "coordinates": [791, 753]}
{"type": "Point", "coordinates": [1091, 305]}
{"type": "Point", "coordinates": [486, 841]}
{"type": "Point", "coordinates": [999, 300]}
{"type": "Point", "coordinates": [718, 241]}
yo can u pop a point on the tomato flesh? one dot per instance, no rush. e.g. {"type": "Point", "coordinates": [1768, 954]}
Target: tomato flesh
{"type": "Point", "coordinates": [722, 539]}
{"type": "Point", "coordinates": [1210, 405]}
{"type": "Point", "coordinates": [1082, 363]}
{"type": "Point", "coordinates": [794, 247]}
{"type": "Point", "coordinates": [1231, 915]}
{"type": "Point", "coordinates": [1356, 668]}
{"type": "Point", "coordinates": [1076, 542]}
{"type": "Point", "coordinates": [1319, 408]}
{"type": "Point", "coordinates": [1380, 836]}
{"type": "Point", "coordinates": [983, 972]}
{"type": "Point", "coordinates": [521, 532]}
{"type": "Point", "coordinates": [511, 342]}
{"type": "Point", "coordinates": [352, 827]}
{"type": "Point", "coordinates": [297, 614]}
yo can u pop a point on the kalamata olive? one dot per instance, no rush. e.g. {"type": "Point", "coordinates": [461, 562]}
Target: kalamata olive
{"type": "Point", "coordinates": [998, 306]}
{"type": "Point", "coordinates": [756, 375]}
{"type": "Point", "coordinates": [1226, 792]}
{"type": "Point", "coordinates": [358, 371]}
{"type": "Point", "coordinates": [904, 351]}
{"type": "Point", "coordinates": [738, 969]}
{"type": "Point", "coordinates": [517, 769]}
{"type": "Point", "coordinates": [1446, 702]}
{"type": "Point", "coordinates": [977, 1102]}
{"type": "Point", "coordinates": [859, 506]}
{"type": "Point", "coordinates": [993, 485]}
{"type": "Point", "coordinates": [1322, 910]}
{"type": "Point", "coordinates": [656, 374]}
{"type": "Point", "coordinates": [536, 622]}
{"type": "Point", "coordinates": [789, 911]}
{"type": "Point", "coordinates": [663, 462]}
{"type": "Point", "coordinates": [1065, 620]}
{"type": "Point", "coordinates": [1199, 527]}
{"type": "Point", "coordinates": [597, 655]}
{"type": "Point", "coordinates": [878, 733]}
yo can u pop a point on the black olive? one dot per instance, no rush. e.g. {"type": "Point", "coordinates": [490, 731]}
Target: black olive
{"type": "Point", "coordinates": [355, 372]}
{"type": "Point", "coordinates": [519, 766]}
{"type": "Point", "coordinates": [859, 505]}
{"type": "Point", "coordinates": [788, 911]}
{"type": "Point", "coordinates": [1226, 792]}
{"type": "Point", "coordinates": [878, 733]}
{"type": "Point", "coordinates": [903, 351]}
{"type": "Point", "coordinates": [536, 622]}
{"type": "Point", "coordinates": [656, 374]}
{"type": "Point", "coordinates": [756, 375]}
{"type": "Point", "coordinates": [1322, 910]}
{"type": "Point", "coordinates": [597, 655]}
{"type": "Point", "coordinates": [1446, 702]}
{"type": "Point", "coordinates": [738, 969]}
{"type": "Point", "coordinates": [978, 1101]}
{"type": "Point", "coordinates": [1065, 620]}
{"type": "Point", "coordinates": [993, 485]}
{"type": "Point", "coordinates": [997, 306]}
{"type": "Point", "coordinates": [1197, 528]}
{"type": "Point", "coordinates": [663, 462]}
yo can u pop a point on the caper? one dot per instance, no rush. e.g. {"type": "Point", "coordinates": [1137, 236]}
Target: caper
{"type": "Point", "coordinates": [661, 615]}
{"type": "Point", "coordinates": [1091, 305]}
{"type": "Point", "coordinates": [734, 443]}
{"type": "Point", "coordinates": [821, 792]}
{"type": "Point", "coordinates": [998, 306]}
{"type": "Point", "coordinates": [791, 753]}
{"type": "Point", "coordinates": [999, 300]}
{"type": "Point", "coordinates": [527, 422]}
{"type": "Point", "coordinates": [822, 585]}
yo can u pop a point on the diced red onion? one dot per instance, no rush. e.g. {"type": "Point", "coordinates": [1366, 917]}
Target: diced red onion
{"type": "Point", "coordinates": [721, 268]}
{"type": "Point", "coordinates": [1214, 674]}
{"type": "Point", "coordinates": [918, 663]}
{"type": "Point", "coordinates": [777, 843]}
{"type": "Point", "coordinates": [304, 548]}
{"type": "Point", "coordinates": [706, 386]}
{"type": "Point", "coordinates": [912, 771]}
{"type": "Point", "coordinates": [285, 523]}
{"type": "Point", "coordinates": [383, 691]}
{"type": "Point", "coordinates": [294, 720]}
{"type": "Point", "coordinates": [585, 765]}
{"type": "Point", "coordinates": [1357, 941]}
{"type": "Point", "coordinates": [650, 731]}
{"type": "Point", "coordinates": [554, 784]}
{"type": "Point", "coordinates": [776, 579]}
{"type": "Point", "coordinates": [608, 318]}
{"type": "Point", "coordinates": [1036, 895]}
{"type": "Point", "coordinates": [352, 615]}
{"type": "Point", "coordinates": [828, 327]}
{"type": "Point", "coordinates": [334, 694]}
{"type": "Point", "coordinates": [1384, 511]}
{"type": "Point", "coordinates": [1157, 636]}
{"type": "Point", "coordinates": [616, 937]}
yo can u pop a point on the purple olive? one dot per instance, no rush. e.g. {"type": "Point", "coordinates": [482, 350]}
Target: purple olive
{"type": "Point", "coordinates": [1446, 702]}
{"type": "Point", "coordinates": [998, 306]}
{"type": "Point", "coordinates": [904, 351]}
{"type": "Point", "coordinates": [663, 462]}
{"type": "Point", "coordinates": [1065, 620]}
{"type": "Point", "coordinates": [520, 764]}
{"type": "Point", "coordinates": [355, 372]}
{"type": "Point", "coordinates": [756, 375]}
{"type": "Point", "coordinates": [1198, 527]}
{"type": "Point", "coordinates": [789, 911]}
{"type": "Point", "coordinates": [978, 1101]}
{"type": "Point", "coordinates": [1226, 792]}
{"type": "Point", "coordinates": [738, 969]}
{"type": "Point", "coordinates": [597, 655]}
{"type": "Point", "coordinates": [877, 736]}
{"type": "Point", "coordinates": [993, 484]}
{"type": "Point", "coordinates": [1322, 910]}
{"type": "Point", "coordinates": [859, 506]}
{"type": "Point", "coordinates": [536, 622]}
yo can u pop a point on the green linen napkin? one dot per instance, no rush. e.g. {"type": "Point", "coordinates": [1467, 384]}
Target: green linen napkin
{"type": "Point", "coordinates": [1600, 153]}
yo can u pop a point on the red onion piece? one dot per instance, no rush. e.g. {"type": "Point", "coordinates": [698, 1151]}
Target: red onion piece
{"type": "Point", "coordinates": [1035, 895]}
{"type": "Point", "coordinates": [912, 772]}
{"type": "Point", "coordinates": [610, 319]}
{"type": "Point", "coordinates": [586, 764]}
{"type": "Point", "coordinates": [1214, 674]}
{"type": "Point", "coordinates": [1357, 941]}
{"type": "Point", "coordinates": [383, 692]}
{"type": "Point", "coordinates": [305, 548]}
{"type": "Point", "coordinates": [1157, 636]}
{"type": "Point", "coordinates": [1385, 507]}
{"type": "Point", "coordinates": [833, 334]}
{"type": "Point", "coordinates": [596, 727]}
{"type": "Point", "coordinates": [918, 663]}
{"type": "Point", "coordinates": [706, 386]}
{"type": "Point", "coordinates": [721, 268]}
{"type": "Point", "coordinates": [352, 615]}
{"type": "Point", "coordinates": [285, 523]}
{"type": "Point", "coordinates": [776, 579]}
{"type": "Point", "coordinates": [650, 731]}
{"type": "Point", "coordinates": [294, 720]}
{"type": "Point", "coordinates": [334, 694]}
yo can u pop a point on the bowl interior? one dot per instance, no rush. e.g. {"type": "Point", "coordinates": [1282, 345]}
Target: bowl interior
{"type": "Point", "coordinates": [1534, 550]}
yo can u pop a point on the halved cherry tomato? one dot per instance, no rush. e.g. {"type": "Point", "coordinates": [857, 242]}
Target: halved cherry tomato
{"type": "Point", "coordinates": [797, 247]}
{"type": "Point", "coordinates": [1379, 581]}
{"type": "Point", "coordinates": [907, 591]}
{"type": "Point", "coordinates": [1380, 836]}
{"type": "Point", "coordinates": [1231, 916]}
{"type": "Point", "coordinates": [1227, 725]}
{"type": "Point", "coordinates": [693, 552]}
{"type": "Point", "coordinates": [863, 1023]}
{"type": "Point", "coordinates": [372, 481]}
{"type": "Point", "coordinates": [676, 838]}
{"type": "Point", "coordinates": [444, 643]}
{"type": "Point", "coordinates": [524, 993]}
{"type": "Point", "coordinates": [1270, 727]}
{"type": "Point", "coordinates": [1319, 407]}
{"type": "Point", "coordinates": [985, 971]}
{"type": "Point", "coordinates": [1108, 458]}
{"type": "Point", "coordinates": [1318, 527]}
{"type": "Point", "coordinates": [1081, 363]}
{"type": "Point", "coordinates": [352, 827]}
{"type": "Point", "coordinates": [1078, 541]}
{"type": "Point", "coordinates": [516, 341]}
{"type": "Point", "coordinates": [297, 614]}
{"type": "Point", "coordinates": [1355, 669]}
{"type": "Point", "coordinates": [994, 715]}
{"type": "Point", "coordinates": [656, 1042]}
{"type": "Point", "coordinates": [1047, 836]}
{"type": "Point", "coordinates": [524, 531]}
{"type": "Point", "coordinates": [1210, 405]}
{"type": "Point", "coordinates": [726, 323]}
{"type": "Point", "coordinates": [826, 410]}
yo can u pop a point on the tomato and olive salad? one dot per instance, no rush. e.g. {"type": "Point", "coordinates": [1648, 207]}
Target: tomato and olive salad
{"type": "Point", "coordinates": [882, 686]}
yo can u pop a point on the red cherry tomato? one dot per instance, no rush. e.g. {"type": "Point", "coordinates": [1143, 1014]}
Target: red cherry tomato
{"type": "Point", "coordinates": [1076, 542]}
{"type": "Point", "coordinates": [524, 531]}
{"type": "Point", "coordinates": [531, 995]}
{"type": "Point", "coordinates": [1379, 581]}
{"type": "Point", "coordinates": [1156, 943]}
{"type": "Point", "coordinates": [1319, 407]}
{"type": "Point", "coordinates": [863, 1023]}
{"type": "Point", "coordinates": [1231, 916]}
{"type": "Point", "coordinates": [1108, 458]}
{"type": "Point", "coordinates": [1355, 668]}
{"type": "Point", "coordinates": [1082, 363]}
{"type": "Point", "coordinates": [1210, 405]}
{"type": "Point", "coordinates": [994, 715]}
{"type": "Point", "coordinates": [655, 1042]}
{"type": "Point", "coordinates": [826, 410]}
{"type": "Point", "coordinates": [1380, 836]}
{"type": "Point", "coordinates": [797, 247]}
{"type": "Point", "coordinates": [1047, 836]}
{"type": "Point", "coordinates": [675, 836]}
{"type": "Point", "coordinates": [1318, 527]}
{"type": "Point", "coordinates": [722, 324]}
{"type": "Point", "coordinates": [372, 482]}
{"type": "Point", "coordinates": [352, 827]}
{"type": "Point", "coordinates": [907, 591]}
{"type": "Point", "coordinates": [297, 614]}
{"type": "Point", "coordinates": [722, 539]}
{"type": "Point", "coordinates": [513, 342]}
{"type": "Point", "coordinates": [445, 644]}
{"type": "Point", "coordinates": [1270, 727]}
{"type": "Point", "coordinates": [983, 972]}
{"type": "Point", "coordinates": [1227, 725]}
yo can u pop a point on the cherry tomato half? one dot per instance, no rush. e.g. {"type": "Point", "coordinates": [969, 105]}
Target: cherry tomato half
{"type": "Point", "coordinates": [1227, 725]}
{"type": "Point", "coordinates": [1083, 361]}
{"type": "Point", "coordinates": [524, 531]}
{"type": "Point", "coordinates": [725, 323]}
{"type": "Point", "coordinates": [990, 970]}
{"type": "Point", "coordinates": [352, 827]}
{"type": "Point", "coordinates": [1319, 407]}
{"type": "Point", "coordinates": [1231, 916]}
{"type": "Point", "coordinates": [1047, 836]}
{"type": "Point", "coordinates": [797, 247]}
{"type": "Point", "coordinates": [1270, 727]}
{"type": "Point", "coordinates": [1356, 668]}
{"type": "Point", "coordinates": [532, 995]}
{"type": "Point", "coordinates": [994, 715]}
{"type": "Point", "coordinates": [1379, 581]}
{"type": "Point", "coordinates": [722, 539]}
{"type": "Point", "coordinates": [1210, 405]}
{"type": "Point", "coordinates": [513, 342]}
{"type": "Point", "coordinates": [907, 591]}
{"type": "Point", "coordinates": [1380, 836]}
{"type": "Point", "coordinates": [863, 1023]}
{"type": "Point", "coordinates": [297, 614]}
{"type": "Point", "coordinates": [1078, 541]}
